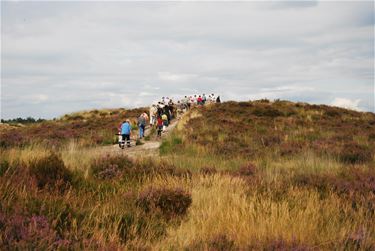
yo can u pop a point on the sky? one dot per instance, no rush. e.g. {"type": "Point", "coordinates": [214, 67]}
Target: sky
{"type": "Point", "coordinates": [62, 57]}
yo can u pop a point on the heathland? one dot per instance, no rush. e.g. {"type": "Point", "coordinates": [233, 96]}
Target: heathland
{"type": "Point", "coordinates": [254, 175]}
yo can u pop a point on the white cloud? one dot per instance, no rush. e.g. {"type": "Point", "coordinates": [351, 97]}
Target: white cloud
{"type": "Point", "coordinates": [347, 103]}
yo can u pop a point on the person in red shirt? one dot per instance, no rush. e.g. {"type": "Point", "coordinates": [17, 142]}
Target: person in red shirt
{"type": "Point", "coordinates": [159, 125]}
{"type": "Point", "coordinates": [200, 100]}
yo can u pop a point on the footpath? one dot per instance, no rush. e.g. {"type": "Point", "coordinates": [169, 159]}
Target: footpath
{"type": "Point", "coordinates": [148, 148]}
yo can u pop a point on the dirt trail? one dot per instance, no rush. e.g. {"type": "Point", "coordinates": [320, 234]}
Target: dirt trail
{"type": "Point", "coordinates": [148, 148]}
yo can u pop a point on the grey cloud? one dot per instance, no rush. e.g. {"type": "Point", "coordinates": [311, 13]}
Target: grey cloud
{"type": "Point", "coordinates": [84, 55]}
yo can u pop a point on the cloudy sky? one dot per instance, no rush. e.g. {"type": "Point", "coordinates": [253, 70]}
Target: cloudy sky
{"type": "Point", "coordinates": [61, 57]}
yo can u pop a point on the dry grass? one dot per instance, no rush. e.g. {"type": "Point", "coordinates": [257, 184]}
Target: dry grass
{"type": "Point", "coordinates": [222, 207]}
{"type": "Point", "coordinates": [261, 175]}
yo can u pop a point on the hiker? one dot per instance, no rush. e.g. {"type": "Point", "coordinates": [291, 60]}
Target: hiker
{"type": "Point", "coordinates": [153, 111]}
{"type": "Point", "coordinates": [159, 124]}
{"type": "Point", "coordinates": [164, 117]}
{"type": "Point", "coordinates": [141, 125]}
{"type": "Point", "coordinates": [218, 99]}
{"type": "Point", "coordinates": [125, 133]}
{"type": "Point", "coordinates": [185, 101]}
{"type": "Point", "coordinates": [204, 99]}
{"type": "Point", "coordinates": [160, 107]}
{"type": "Point", "coordinates": [180, 109]}
{"type": "Point", "coordinates": [199, 100]}
{"type": "Point", "coordinates": [213, 98]}
{"type": "Point", "coordinates": [166, 111]}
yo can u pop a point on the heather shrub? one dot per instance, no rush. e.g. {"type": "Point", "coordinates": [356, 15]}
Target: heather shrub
{"type": "Point", "coordinates": [19, 232]}
{"type": "Point", "coordinates": [170, 202]}
{"type": "Point", "coordinates": [280, 245]}
{"type": "Point", "coordinates": [108, 167]}
{"type": "Point", "coordinates": [267, 112]}
{"type": "Point", "coordinates": [50, 171]}
{"type": "Point", "coordinates": [218, 243]}
{"type": "Point", "coordinates": [371, 137]}
{"type": "Point", "coordinates": [247, 170]}
{"type": "Point", "coordinates": [290, 148]}
{"type": "Point", "coordinates": [353, 153]}
{"type": "Point", "coordinates": [359, 240]}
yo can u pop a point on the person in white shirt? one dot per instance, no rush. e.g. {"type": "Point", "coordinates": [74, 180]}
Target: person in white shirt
{"type": "Point", "coordinates": [153, 111]}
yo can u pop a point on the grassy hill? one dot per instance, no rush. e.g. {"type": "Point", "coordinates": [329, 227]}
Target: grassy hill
{"type": "Point", "coordinates": [233, 176]}
{"type": "Point", "coordinates": [96, 127]}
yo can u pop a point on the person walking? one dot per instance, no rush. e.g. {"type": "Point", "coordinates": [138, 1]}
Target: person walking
{"type": "Point", "coordinates": [141, 125]}
{"type": "Point", "coordinates": [199, 100]}
{"type": "Point", "coordinates": [125, 133]}
{"type": "Point", "coordinates": [204, 99]}
{"type": "Point", "coordinates": [153, 111]}
{"type": "Point", "coordinates": [164, 117]}
{"type": "Point", "coordinates": [218, 99]}
{"type": "Point", "coordinates": [159, 126]}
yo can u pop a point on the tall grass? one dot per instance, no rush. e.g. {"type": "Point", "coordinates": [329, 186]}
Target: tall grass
{"type": "Point", "coordinates": [258, 175]}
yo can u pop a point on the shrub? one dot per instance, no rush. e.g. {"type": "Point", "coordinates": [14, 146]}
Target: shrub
{"type": "Point", "coordinates": [50, 171]}
{"type": "Point", "coordinates": [353, 153]}
{"type": "Point", "coordinates": [247, 170]}
{"type": "Point", "coordinates": [218, 243]}
{"type": "Point", "coordinates": [282, 245]}
{"type": "Point", "coordinates": [108, 167]}
{"type": "Point", "coordinates": [170, 202]}
{"type": "Point", "coordinates": [267, 112]}
{"type": "Point", "coordinates": [290, 148]}
{"type": "Point", "coordinates": [357, 240]}
{"type": "Point", "coordinates": [371, 137]}
{"type": "Point", "coordinates": [20, 232]}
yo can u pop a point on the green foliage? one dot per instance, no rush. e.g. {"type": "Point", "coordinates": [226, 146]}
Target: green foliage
{"type": "Point", "coordinates": [28, 120]}
{"type": "Point", "coordinates": [169, 145]}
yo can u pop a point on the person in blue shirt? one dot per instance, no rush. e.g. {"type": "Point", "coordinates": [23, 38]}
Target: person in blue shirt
{"type": "Point", "coordinates": [126, 129]}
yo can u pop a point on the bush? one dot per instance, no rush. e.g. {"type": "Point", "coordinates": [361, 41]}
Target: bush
{"type": "Point", "coordinates": [108, 167]}
{"type": "Point", "coordinates": [19, 232]}
{"type": "Point", "coordinates": [290, 148]}
{"type": "Point", "coordinates": [218, 243]}
{"type": "Point", "coordinates": [353, 153]}
{"type": "Point", "coordinates": [170, 202]}
{"type": "Point", "coordinates": [50, 171]}
{"type": "Point", "coordinates": [248, 170]}
{"type": "Point", "coordinates": [282, 245]}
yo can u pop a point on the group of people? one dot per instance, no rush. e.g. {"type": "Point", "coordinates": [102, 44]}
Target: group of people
{"type": "Point", "coordinates": [161, 114]}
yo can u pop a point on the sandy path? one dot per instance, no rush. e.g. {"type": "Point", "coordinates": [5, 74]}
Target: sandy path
{"type": "Point", "coordinates": [148, 148]}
